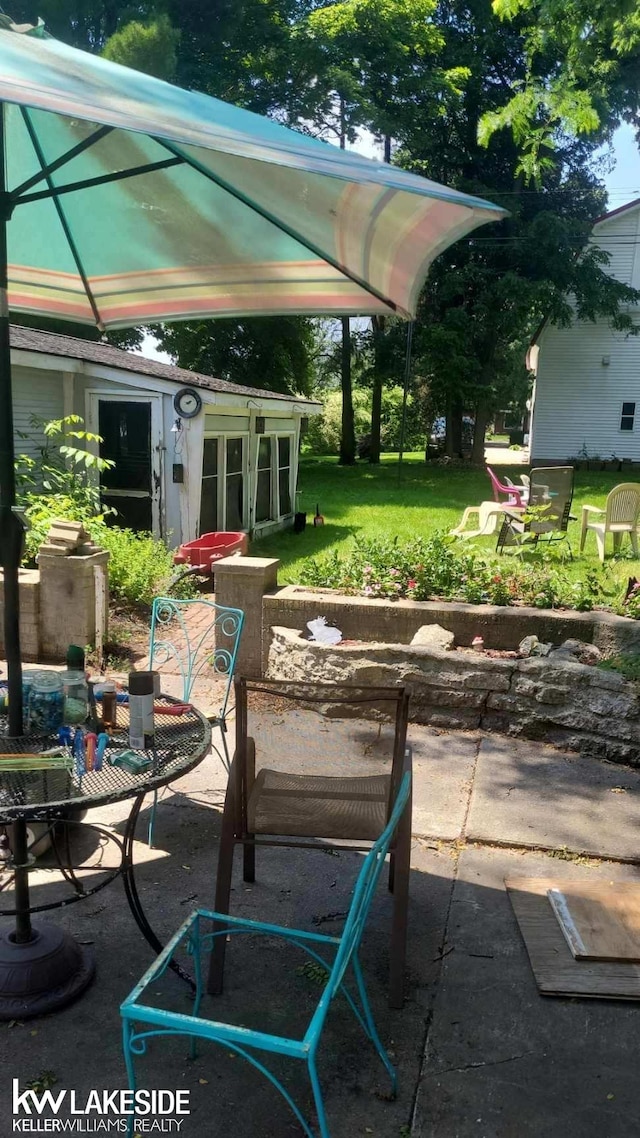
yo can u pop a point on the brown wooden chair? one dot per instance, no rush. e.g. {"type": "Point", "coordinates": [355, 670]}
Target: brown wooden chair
{"type": "Point", "coordinates": [317, 766]}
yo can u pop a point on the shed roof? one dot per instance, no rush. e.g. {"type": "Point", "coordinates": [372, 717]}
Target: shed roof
{"type": "Point", "coordinates": [95, 351]}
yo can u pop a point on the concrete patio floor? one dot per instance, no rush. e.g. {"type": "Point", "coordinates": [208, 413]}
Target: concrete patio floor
{"type": "Point", "coordinates": [479, 1052]}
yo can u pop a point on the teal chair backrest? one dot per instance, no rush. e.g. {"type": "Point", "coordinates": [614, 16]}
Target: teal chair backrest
{"type": "Point", "coordinates": [195, 635]}
{"type": "Point", "coordinates": [364, 890]}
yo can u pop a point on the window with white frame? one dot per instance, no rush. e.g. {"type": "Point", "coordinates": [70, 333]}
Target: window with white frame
{"type": "Point", "coordinates": [627, 418]}
{"type": "Point", "coordinates": [222, 500]}
{"type": "Point", "coordinates": [284, 474]}
{"type": "Point", "coordinates": [209, 489]}
{"type": "Point", "coordinates": [274, 466]}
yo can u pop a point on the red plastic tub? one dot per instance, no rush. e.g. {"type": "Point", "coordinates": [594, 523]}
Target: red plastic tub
{"type": "Point", "coordinates": [211, 547]}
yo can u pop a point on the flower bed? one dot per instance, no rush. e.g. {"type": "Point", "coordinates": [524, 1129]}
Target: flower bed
{"type": "Point", "coordinates": [441, 568]}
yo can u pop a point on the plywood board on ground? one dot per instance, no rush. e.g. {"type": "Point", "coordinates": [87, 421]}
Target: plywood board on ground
{"type": "Point", "coordinates": [556, 970]}
{"type": "Point", "coordinates": [600, 920]}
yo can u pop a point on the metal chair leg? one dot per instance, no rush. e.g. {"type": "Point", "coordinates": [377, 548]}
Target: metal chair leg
{"type": "Point", "coordinates": [249, 861]}
{"type": "Point", "coordinates": [398, 949]}
{"type": "Point", "coordinates": [223, 892]}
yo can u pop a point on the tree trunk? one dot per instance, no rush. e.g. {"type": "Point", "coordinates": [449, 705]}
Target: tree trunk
{"type": "Point", "coordinates": [377, 323]}
{"type": "Point", "coordinates": [453, 436]}
{"type": "Point", "coordinates": [482, 421]}
{"type": "Point", "coordinates": [348, 436]}
{"type": "Point", "coordinates": [456, 428]}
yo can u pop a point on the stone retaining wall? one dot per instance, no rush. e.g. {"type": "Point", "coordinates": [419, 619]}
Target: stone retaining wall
{"type": "Point", "coordinates": [572, 705]}
{"type": "Point", "coordinates": [396, 622]}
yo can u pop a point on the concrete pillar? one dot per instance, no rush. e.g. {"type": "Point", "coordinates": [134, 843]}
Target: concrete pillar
{"type": "Point", "coordinates": [29, 582]}
{"type": "Point", "coordinates": [240, 583]}
{"type": "Point", "coordinates": [68, 601]}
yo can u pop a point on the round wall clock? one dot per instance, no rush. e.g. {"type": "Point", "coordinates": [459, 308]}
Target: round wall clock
{"type": "Point", "coordinates": [187, 402]}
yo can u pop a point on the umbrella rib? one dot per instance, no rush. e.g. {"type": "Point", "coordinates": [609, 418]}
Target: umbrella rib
{"type": "Point", "coordinates": [62, 160]}
{"type": "Point", "coordinates": [35, 142]}
{"type": "Point", "coordinates": [218, 181]}
{"type": "Point", "coordinates": [103, 179]}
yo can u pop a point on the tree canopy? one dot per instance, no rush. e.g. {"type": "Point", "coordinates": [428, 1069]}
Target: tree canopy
{"type": "Point", "coordinates": [582, 75]}
{"type": "Point", "coordinates": [506, 99]}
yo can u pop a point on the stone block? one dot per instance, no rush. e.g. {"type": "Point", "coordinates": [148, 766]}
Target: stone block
{"type": "Point", "coordinates": [68, 601]}
{"type": "Point", "coordinates": [241, 583]}
{"type": "Point", "coordinates": [540, 691]}
{"type": "Point", "coordinates": [433, 636]}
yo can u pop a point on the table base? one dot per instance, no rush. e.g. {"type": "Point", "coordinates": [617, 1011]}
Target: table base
{"type": "Point", "coordinates": [48, 972]}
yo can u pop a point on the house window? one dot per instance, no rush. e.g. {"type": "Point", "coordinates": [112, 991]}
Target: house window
{"type": "Point", "coordinates": [223, 482]}
{"type": "Point", "coordinates": [273, 477]}
{"type": "Point", "coordinates": [234, 485]}
{"type": "Point", "coordinates": [264, 480]}
{"type": "Point", "coordinates": [628, 416]}
{"type": "Point", "coordinates": [284, 474]}
{"type": "Point", "coordinates": [209, 492]}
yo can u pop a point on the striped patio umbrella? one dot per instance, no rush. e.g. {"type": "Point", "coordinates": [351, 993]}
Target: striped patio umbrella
{"type": "Point", "coordinates": [125, 200]}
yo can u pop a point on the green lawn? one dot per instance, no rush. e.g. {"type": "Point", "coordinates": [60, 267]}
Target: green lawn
{"type": "Point", "coordinates": [372, 501]}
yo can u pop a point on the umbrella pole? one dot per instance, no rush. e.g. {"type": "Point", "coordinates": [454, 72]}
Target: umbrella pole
{"type": "Point", "coordinates": [405, 394]}
{"type": "Point", "coordinates": [10, 526]}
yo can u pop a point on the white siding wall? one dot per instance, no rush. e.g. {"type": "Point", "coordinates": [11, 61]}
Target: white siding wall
{"type": "Point", "coordinates": [578, 400]}
{"type": "Point", "coordinates": [618, 237]}
{"type": "Point", "coordinates": [37, 393]}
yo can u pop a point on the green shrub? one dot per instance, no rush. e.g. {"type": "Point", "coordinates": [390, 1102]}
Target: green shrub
{"type": "Point", "coordinates": [439, 567]}
{"type": "Point", "coordinates": [56, 486]}
{"type": "Point", "coordinates": [140, 566]}
{"type": "Point", "coordinates": [627, 663]}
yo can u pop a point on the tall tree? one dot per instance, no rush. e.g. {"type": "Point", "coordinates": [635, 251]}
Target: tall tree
{"type": "Point", "coordinates": [275, 353]}
{"type": "Point", "coordinates": [367, 61]}
{"type": "Point", "coordinates": [485, 294]}
{"type": "Point", "coordinates": [582, 75]}
{"type": "Point", "coordinates": [151, 47]}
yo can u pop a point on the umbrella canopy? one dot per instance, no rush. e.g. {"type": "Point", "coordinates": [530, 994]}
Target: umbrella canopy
{"type": "Point", "coordinates": [231, 213]}
{"type": "Point", "coordinates": [125, 200]}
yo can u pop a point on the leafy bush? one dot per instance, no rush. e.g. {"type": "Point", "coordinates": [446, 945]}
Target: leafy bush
{"type": "Point", "coordinates": [140, 566]}
{"type": "Point", "coordinates": [56, 486]}
{"type": "Point", "coordinates": [627, 663]}
{"type": "Point", "coordinates": [323, 435]}
{"type": "Point", "coordinates": [441, 568]}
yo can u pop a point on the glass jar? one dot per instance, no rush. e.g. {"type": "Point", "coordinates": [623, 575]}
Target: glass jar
{"type": "Point", "coordinates": [76, 697]}
{"type": "Point", "coordinates": [46, 700]}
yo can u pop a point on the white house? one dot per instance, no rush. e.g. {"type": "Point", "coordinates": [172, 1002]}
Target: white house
{"type": "Point", "coordinates": [192, 454]}
{"type": "Point", "coordinates": [587, 387]}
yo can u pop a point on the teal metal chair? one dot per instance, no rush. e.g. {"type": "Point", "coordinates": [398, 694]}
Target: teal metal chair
{"type": "Point", "coordinates": [199, 637]}
{"type": "Point", "coordinates": [338, 955]}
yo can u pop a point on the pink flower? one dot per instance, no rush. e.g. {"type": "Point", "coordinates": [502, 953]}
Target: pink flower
{"type": "Point", "coordinates": [368, 590]}
{"type": "Point", "coordinates": [411, 584]}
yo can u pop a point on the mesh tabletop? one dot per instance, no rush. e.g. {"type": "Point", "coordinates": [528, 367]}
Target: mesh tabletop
{"type": "Point", "coordinates": [180, 744]}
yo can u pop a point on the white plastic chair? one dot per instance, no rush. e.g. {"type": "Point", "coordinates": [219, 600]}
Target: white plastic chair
{"type": "Point", "coordinates": [487, 520]}
{"type": "Point", "coordinates": [620, 516]}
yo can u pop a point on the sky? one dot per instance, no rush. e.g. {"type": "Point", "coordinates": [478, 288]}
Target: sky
{"type": "Point", "coordinates": [622, 182]}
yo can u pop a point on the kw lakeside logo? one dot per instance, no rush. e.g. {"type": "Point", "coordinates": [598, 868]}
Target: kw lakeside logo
{"type": "Point", "coordinates": [101, 1112]}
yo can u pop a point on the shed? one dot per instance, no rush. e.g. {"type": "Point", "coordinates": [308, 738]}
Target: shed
{"type": "Point", "coordinates": [192, 453]}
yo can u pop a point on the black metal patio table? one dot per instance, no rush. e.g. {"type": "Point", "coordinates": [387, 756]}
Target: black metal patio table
{"type": "Point", "coordinates": [42, 967]}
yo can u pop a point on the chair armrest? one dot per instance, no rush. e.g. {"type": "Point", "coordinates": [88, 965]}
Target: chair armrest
{"type": "Point", "coordinates": [459, 530]}
{"type": "Point", "coordinates": [514, 512]}
{"type": "Point", "coordinates": [592, 510]}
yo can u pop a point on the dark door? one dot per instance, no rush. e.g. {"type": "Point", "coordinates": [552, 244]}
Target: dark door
{"type": "Point", "coordinates": [126, 487]}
